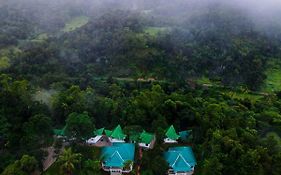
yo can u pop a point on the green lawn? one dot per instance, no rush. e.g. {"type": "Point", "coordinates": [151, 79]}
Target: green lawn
{"type": "Point", "coordinates": [75, 23]}
{"type": "Point", "coordinates": [273, 80]}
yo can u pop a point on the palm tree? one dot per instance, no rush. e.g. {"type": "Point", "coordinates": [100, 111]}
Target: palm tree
{"type": "Point", "coordinates": [67, 161]}
{"type": "Point", "coordinates": [127, 164]}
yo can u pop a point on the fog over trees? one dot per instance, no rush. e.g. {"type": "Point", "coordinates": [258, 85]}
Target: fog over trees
{"type": "Point", "coordinates": [210, 66]}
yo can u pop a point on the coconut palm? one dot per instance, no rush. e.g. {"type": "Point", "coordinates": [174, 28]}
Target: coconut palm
{"type": "Point", "coordinates": [67, 161]}
{"type": "Point", "coordinates": [127, 164]}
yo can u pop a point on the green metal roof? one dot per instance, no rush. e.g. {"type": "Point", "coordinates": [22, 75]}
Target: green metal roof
{"type": "Point", "coordinates": [117, 154]}
{"type": "Point", "coordinates": [99, 132]}
{"type": "Point", "coordinates": [107, 132]}
{"type": "Point", "coordinates": [117, 133]}
{"type": "Point", "coordinates": [171, 133]}
{"type": "Point", "coordinates": [181, 159]}
{"type": "Point", "coordinates": [184, 135]}
{"type": "Point", "coordinates": [146, 137]}
{"type": "Point", "coordinates": [60, 132]}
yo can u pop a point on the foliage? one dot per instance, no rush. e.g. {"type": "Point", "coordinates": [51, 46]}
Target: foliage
{"type": "Point", "coordinates": [68, 160]}
{"type": "Point", "coordinates": [25, 166]}
{"type": "Point", "coordinates": [79, 126]}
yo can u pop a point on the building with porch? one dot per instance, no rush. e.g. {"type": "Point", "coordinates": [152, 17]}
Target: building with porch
{"type": "Point", "coordinates": [118, 158]}
{"type": "Point", "coordinates": [171, 135]}
{"type": "Point", "coordinates": [181, 161]}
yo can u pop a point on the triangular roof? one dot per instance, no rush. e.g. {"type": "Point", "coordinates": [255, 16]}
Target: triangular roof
{"type": "Point", "coordinates": [146, 137]}
{"type": "Point", "coordinates": [117, 133]}
{"type": "Point", "coordinates": [115, 160]}
{"type": "Point", "coordinates": [107, 132]}
{"type": "Point", "coordinates": [117, 154]}
{"type": "Point", "coordinates": [181, 159]}
{"type": "Point", "coordinates": [184, 135]}
{"type": "Point", "coordinates": [99, 132]}
{"type": "Point", "coordinates": [60, 132]}
{"type": "Point", "coordinates": [171, 133]}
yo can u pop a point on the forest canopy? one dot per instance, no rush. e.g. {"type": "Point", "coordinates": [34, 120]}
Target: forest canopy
{"type": "Point", "coordinates": [213, 67]}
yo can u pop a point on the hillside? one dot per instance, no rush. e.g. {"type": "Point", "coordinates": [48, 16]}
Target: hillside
{"type": "Point", "coordinates": [211, 70]}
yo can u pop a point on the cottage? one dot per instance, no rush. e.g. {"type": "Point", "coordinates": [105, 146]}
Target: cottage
{"type": "Point", "coordinates": [181, 161]}
{"type": "Point", "coordinates": [118, 158]}
{"type": "Point", "coordinates": [171, 135]}
{"type": "Point", "coordinates": [185, 135]}
{"type": "Point", "coordinates": [100, 139]}
{"type": "Point", "coordinates": [147, 140]}
{"type": "Point", "coordinates": [117, 135]}
{"type": "Point", "coordinates": [60, 133]}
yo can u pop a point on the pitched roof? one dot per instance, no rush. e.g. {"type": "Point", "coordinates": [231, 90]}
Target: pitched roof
{"type": "Point", "coordinates": [146, 137]}
{"type": "Point", "coordinates": [107, 132]}
{"type": "Point", "coordinates": [117, 154]}
{"type": "Point", "coordinates": [99, 132]}
{"type": "Point", "coordinates": [180, 159]}
{"type": "Point", "coordinates": [184, 135]}
{"type": "Point", "coordinates": [60, 132]}
{"type": "Point", "coordinates": [171, 133]}
{"type": "Point", "coordinates": [117, 133]}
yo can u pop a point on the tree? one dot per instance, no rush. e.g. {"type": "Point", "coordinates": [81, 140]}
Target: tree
{"type": "Point", "coordinates": [68, 160]}
{"type": "Point", "coordinates": [79, 126]}
{"type": "Point", "coordinates": [25, 166]}
{"type": "Point", "coordinates": [4, 127]}
{"type": "Point", "coordinates": [92, 167]}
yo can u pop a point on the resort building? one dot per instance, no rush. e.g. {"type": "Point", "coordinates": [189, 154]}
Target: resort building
{"type": "Point", "coordinates": [118, 158]}
{"type": "Point", "coordinates": [171, 135]}
{"type": "Point", "coordinates": [100, 139]}
{"type": "Point", "coordinates": [181, 161]}
{"type": "Point", "coordinates": [147, 140]}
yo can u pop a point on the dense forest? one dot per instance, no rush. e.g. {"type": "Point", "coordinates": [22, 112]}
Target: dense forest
{"type": "Point", "coordinates": [209, 66]}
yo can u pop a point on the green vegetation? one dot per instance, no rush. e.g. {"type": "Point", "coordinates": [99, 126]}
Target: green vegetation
{"type": "Point", "coordinates": [154, 31]}
{"type": "Point", "coordinates": [78, 68]}
{"type": "Point", "coordinates": [4, 63]}
{"type": "Point", "coordinates": [75, 23]}
{"type": "Point", "coordinates": [273, 80]}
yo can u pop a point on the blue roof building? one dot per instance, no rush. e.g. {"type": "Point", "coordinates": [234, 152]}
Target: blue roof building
{"type": "Point", "coordinates": [181, 160]}
{"type": "Point", "coordinates": [118, 158]}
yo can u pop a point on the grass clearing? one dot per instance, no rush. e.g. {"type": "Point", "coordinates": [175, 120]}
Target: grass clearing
{"type": "Point", "coordinates": [75, 23]}
{"type": "Point", "coordinates": [243, 96]}
{"type": "Point", "coordinates": [154, 31]}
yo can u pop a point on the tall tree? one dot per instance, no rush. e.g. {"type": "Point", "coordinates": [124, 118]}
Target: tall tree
{"type": "Point", "coordinates": [67, 161]}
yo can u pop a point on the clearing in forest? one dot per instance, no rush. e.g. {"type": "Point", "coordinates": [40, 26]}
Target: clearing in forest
{"type": "Point", "coordinates": [75, 23]}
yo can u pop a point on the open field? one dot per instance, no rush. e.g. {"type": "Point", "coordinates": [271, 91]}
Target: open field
{"type": "Point", "coordinates": [75, 23]}
{"type": "Point", "coordinates": [154, 31]}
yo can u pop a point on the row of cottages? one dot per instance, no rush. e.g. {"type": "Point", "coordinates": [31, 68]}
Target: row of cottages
{"type": "Point", "coordinates": [118, 156]}
{"type": "Point", "coordinates": [103, 137]}
{"type": "Point", "coordinates": [119, 159]}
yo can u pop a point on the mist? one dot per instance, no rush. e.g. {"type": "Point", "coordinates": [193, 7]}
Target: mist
{"type": "Point", "coordinates": [259, 10]}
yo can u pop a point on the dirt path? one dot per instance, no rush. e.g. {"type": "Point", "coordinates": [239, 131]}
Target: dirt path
{"type": "Point", "coordinates": [51, 158]}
